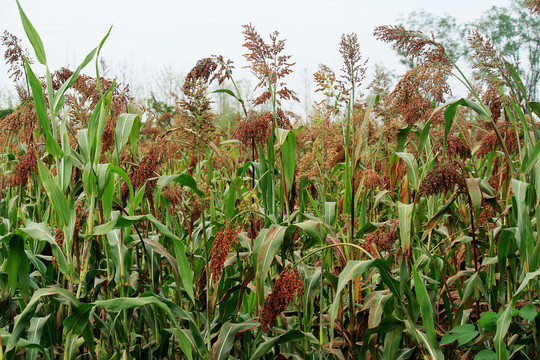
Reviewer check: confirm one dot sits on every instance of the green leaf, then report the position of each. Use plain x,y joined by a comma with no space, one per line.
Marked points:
437,217
17,266
426,309
226,91
316,230
23,319
330,211
502,328
525,282
528,312
450,112
488,321
79,319
56,196
405,222
412,168
41,232
98,78
33,36
374,303
182,179
526,167
424,137
120,172
288,153
84,147
38,264
464,333
473,186
223,345
266,247
402,138
65,168
126,125
392,342
96,124
185,343
180,265
519,188
125,303
486,354
37,324
41,109
186,275
517,79
289,336
352,270
107,198
126,221
311,284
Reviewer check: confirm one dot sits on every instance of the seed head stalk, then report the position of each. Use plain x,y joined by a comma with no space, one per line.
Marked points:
208,282
463,79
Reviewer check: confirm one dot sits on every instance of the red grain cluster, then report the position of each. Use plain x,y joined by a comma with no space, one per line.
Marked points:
146,169
491,141
426,82
15,55
287,287
59,237
268,65
383,238
443,178
25,167
457,147
225,239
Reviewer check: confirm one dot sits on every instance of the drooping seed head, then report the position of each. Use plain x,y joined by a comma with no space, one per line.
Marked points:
288,286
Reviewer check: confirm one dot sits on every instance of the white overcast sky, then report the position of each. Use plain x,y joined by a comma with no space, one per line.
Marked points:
148,35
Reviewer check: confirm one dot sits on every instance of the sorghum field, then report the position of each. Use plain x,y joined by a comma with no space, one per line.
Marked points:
394,225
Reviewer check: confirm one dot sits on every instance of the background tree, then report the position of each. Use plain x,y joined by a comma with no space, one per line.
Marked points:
512,29
446,30
515,33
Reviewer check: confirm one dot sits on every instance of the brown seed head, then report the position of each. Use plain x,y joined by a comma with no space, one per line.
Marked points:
417,109
493,98
491,141
59,237
287,287
80,212
354,68
268,64
146,169
225,239
20,123
426,80
15,55
443,178
456,146
328,85
370,179
25,167
383,238
255,130
488,61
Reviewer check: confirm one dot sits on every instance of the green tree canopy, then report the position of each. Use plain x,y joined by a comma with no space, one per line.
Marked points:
513,30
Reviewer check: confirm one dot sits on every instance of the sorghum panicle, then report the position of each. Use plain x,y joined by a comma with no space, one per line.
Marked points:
287,287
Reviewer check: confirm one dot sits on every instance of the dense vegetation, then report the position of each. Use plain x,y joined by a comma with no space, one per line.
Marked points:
397,225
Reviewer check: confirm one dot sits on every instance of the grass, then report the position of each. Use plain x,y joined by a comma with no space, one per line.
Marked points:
395,226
